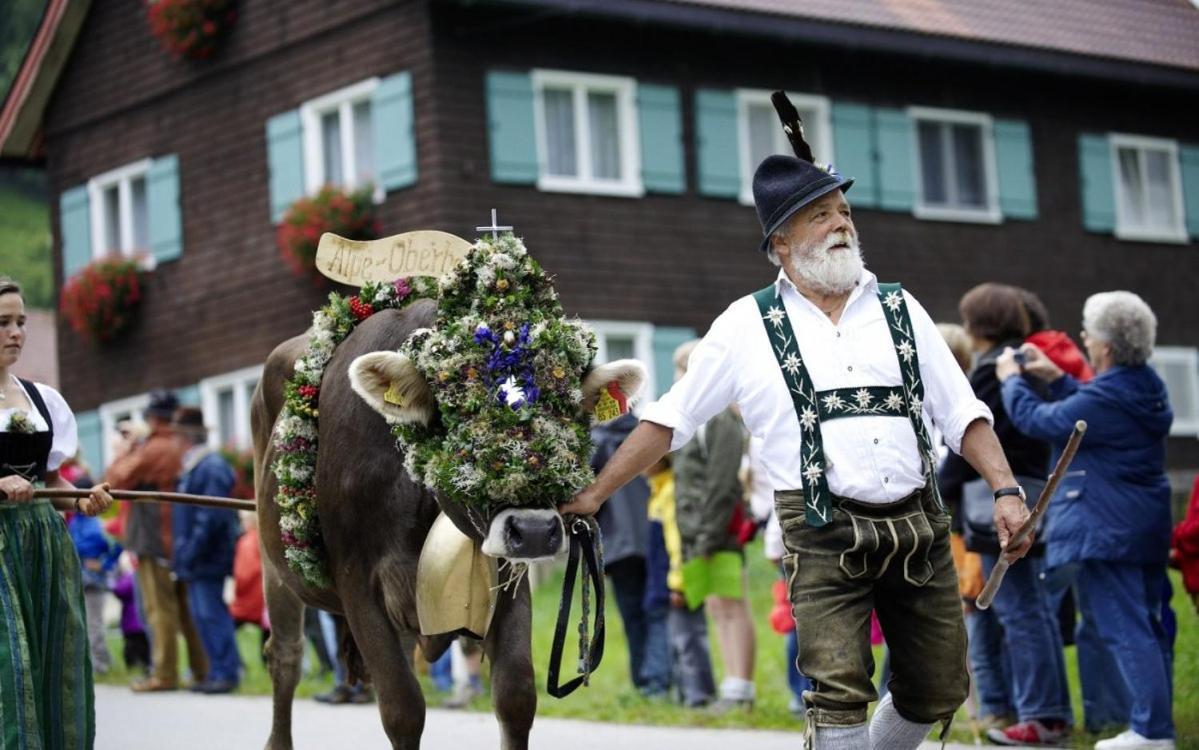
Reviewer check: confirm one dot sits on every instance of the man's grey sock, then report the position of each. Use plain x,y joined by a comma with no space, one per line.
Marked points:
856,737
890,731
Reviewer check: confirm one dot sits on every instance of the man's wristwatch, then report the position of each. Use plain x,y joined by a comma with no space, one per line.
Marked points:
1018,491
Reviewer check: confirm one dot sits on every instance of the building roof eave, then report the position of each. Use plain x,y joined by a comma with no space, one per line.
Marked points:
45,58
896,41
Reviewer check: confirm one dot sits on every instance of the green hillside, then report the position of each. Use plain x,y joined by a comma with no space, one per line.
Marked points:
25,239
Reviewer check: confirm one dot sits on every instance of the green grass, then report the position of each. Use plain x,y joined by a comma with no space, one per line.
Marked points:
25,245
611,697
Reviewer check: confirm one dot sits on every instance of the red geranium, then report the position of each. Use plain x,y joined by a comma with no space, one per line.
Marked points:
100,301
190,28
350,215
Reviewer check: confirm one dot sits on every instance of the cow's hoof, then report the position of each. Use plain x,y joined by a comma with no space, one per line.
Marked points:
274,744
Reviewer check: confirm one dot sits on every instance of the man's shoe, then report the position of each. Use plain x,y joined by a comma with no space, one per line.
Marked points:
728,705
362,694
218,687
152,685
197,687
1036,732
338,695
1130,740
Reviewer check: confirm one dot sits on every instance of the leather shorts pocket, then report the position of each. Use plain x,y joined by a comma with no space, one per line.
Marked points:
856,561
917,548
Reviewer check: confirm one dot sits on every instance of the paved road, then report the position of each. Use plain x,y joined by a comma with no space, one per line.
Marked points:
181,721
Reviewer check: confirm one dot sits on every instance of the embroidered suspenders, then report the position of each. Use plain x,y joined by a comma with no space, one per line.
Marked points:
812,408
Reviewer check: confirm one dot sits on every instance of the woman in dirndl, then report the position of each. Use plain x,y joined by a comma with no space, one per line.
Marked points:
46,691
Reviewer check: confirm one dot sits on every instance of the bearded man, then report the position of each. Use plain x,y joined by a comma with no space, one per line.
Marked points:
843,379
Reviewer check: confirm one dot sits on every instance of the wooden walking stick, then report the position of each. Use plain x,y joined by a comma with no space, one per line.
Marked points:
64,499
1063,463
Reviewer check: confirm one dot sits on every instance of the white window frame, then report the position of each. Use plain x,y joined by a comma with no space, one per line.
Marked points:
989,214
625,89
109,416
210,389
122,177
1185,425
1178,233
643,347
822,147
342,101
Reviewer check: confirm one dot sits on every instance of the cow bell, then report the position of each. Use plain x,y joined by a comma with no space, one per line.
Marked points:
455,583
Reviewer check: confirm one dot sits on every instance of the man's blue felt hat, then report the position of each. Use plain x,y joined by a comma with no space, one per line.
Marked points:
785,184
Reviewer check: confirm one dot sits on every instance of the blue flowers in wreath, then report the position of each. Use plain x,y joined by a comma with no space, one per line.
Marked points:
508,368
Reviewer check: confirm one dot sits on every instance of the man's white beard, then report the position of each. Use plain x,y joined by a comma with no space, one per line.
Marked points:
825,271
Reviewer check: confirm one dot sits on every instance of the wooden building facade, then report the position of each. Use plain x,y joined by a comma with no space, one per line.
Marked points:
619,139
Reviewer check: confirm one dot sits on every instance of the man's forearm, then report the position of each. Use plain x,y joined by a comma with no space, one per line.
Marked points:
643,448
981,448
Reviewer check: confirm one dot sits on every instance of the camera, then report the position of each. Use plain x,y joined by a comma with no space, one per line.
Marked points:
1021,358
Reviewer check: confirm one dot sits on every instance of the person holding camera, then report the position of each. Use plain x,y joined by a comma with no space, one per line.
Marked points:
1016,649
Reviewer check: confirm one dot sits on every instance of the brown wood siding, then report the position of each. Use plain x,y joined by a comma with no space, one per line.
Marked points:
680,260
229,300
671,260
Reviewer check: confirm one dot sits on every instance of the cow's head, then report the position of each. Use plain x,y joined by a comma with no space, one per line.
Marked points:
494,404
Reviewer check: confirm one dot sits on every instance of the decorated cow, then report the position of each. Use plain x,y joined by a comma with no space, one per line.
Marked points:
468,398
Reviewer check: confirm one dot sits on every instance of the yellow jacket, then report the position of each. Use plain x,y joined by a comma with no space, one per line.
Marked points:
661,509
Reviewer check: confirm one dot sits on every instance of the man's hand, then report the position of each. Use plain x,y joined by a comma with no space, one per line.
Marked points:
16,489
1010,515
585,503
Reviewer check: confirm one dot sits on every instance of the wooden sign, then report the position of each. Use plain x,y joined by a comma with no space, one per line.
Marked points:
424,253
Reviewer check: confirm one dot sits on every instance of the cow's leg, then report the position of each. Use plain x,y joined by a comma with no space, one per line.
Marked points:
512,683
401,703
285,649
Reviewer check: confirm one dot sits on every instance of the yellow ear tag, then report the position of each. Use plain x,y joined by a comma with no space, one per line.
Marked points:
392,396
611,403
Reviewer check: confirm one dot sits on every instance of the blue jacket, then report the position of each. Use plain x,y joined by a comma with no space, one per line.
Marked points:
204,538
92,544
1114,504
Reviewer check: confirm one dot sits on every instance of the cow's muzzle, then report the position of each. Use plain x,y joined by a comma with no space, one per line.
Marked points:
525,534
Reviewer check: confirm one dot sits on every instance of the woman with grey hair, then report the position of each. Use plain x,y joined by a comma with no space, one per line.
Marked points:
1110,518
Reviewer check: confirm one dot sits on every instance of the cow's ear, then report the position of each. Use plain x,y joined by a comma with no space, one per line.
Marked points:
608,389
392,385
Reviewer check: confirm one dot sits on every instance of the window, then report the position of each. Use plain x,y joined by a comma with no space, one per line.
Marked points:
1179,367
617,339
111,414
1147,187
955,166
760,134
586,133
120,218
339,139
226,403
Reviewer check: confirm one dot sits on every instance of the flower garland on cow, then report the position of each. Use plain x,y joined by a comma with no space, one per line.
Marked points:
506,368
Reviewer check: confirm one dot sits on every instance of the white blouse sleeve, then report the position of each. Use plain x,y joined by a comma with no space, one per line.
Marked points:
66,434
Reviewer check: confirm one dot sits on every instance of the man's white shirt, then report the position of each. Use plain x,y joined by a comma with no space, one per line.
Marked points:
869,458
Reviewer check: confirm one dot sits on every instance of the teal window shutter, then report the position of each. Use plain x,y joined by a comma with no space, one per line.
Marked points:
1017,169
666,340
1095,175
510,128
75,228
896,177
91,440
189,395
717,147
395,131
853,138
166,214
285,160
1188,161
661,128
